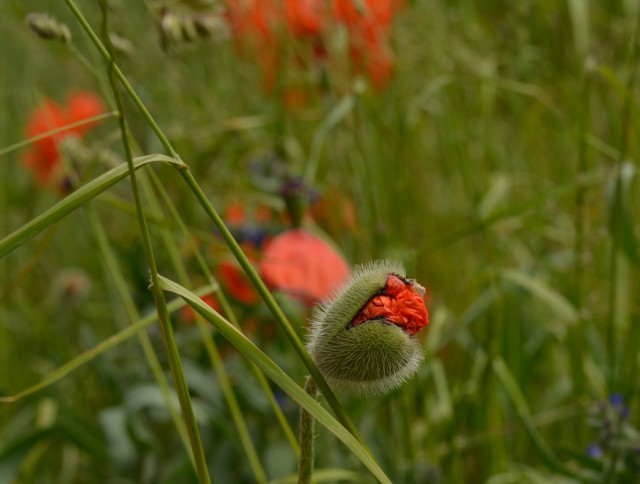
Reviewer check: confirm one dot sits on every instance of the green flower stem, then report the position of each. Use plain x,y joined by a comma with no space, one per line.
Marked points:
233,245
307,428
158,296
114,271
226,308
214,355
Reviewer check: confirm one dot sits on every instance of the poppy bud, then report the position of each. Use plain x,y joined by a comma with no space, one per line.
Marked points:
363,338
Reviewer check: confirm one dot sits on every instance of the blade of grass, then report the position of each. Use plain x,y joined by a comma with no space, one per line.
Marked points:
277,375
212,351
53,132
227,311
244,262
556,301
170,345
79,197
115,273
99,349
519,402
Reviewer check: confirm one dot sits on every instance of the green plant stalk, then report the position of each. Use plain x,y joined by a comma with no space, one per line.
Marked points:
158,296
627,106
307,429
226,308
114,271
233,245
92,353
577,332
214,355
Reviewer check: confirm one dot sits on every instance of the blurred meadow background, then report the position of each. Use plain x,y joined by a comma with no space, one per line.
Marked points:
490,146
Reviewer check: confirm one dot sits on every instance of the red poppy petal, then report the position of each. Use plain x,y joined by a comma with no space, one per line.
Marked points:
303,265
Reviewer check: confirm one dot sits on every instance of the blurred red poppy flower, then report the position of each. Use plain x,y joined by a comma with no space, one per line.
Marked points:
306,18
188,314
236,283
44,158
368,27
302,265
260,25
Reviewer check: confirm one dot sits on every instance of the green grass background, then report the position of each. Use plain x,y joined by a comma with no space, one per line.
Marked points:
498,165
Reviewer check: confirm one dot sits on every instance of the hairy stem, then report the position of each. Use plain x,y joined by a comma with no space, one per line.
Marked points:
307,427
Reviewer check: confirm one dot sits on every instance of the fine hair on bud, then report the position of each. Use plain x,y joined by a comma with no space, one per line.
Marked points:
362,338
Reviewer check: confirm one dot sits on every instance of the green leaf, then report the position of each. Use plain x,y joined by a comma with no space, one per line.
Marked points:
68,204
277,375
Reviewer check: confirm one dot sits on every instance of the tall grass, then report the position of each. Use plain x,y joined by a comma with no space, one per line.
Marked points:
498,165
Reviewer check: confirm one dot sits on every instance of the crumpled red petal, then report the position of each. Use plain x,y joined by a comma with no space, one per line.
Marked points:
399,305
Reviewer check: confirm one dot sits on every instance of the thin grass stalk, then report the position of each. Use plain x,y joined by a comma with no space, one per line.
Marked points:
76,199
160,302
577,332
121,77
226,308
627,104
29,264
53,132
214,355
118,280
519,402
91,354
234,407
233,245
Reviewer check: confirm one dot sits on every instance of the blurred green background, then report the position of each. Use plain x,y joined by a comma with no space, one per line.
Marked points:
498,163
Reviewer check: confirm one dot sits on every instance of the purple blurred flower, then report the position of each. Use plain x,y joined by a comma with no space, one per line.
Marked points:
594,451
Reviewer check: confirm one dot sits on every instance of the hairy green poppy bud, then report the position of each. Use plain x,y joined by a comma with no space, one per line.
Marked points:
363,338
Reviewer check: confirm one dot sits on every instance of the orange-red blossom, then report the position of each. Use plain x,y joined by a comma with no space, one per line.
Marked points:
399,304
260,23
44,157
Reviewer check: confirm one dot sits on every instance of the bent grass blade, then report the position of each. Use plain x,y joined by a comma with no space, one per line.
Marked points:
277,375
89,355
79,197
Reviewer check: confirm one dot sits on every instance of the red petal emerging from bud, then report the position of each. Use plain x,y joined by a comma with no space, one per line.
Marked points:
399,304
